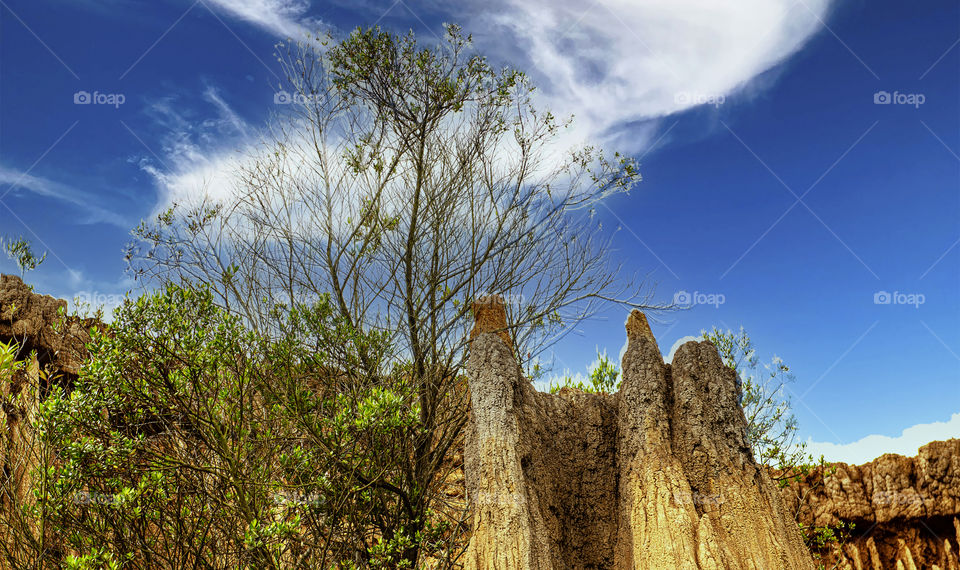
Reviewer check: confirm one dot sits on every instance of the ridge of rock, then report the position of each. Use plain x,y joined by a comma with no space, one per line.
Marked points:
906,509
658,475
35,322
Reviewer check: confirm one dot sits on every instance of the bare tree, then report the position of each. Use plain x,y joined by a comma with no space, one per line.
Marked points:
407,182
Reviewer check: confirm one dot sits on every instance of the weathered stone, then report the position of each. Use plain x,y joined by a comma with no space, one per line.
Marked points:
53,346
36,324
905,509
658,475
490,316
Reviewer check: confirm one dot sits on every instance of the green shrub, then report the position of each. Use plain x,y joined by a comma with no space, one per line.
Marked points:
190,441
605,377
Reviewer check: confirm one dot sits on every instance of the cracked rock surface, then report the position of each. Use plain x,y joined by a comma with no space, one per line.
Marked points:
657,475
906,509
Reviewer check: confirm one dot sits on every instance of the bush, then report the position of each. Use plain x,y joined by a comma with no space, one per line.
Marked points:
190,441
604,377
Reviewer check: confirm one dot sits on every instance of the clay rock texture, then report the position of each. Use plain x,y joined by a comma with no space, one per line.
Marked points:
32,321
658,475
54,347
490,316
906,509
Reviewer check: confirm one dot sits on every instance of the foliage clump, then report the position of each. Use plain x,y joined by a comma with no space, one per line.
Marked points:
603,377
189,440
21,252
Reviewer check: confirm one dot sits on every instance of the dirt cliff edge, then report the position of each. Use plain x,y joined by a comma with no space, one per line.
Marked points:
906,509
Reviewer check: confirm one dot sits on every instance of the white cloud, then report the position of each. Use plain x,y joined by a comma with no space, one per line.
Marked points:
284,18
212,176
873,446
87,203
617,65
226,113
199,157
616,61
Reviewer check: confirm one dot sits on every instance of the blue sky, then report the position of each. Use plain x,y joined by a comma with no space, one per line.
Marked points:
799,159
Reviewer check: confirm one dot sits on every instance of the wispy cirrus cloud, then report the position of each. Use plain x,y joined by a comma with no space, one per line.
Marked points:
199,147
613,62
610,63
284,18
12,179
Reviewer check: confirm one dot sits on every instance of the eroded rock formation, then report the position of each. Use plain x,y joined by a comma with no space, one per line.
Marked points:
906,509
658,475
35,322
53,346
